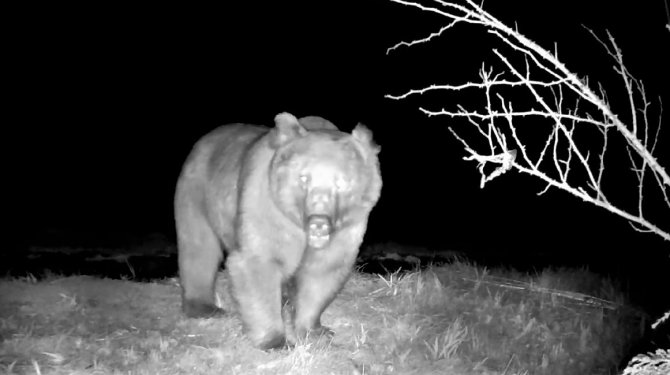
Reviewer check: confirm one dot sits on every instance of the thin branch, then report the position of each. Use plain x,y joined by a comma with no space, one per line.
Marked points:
550,94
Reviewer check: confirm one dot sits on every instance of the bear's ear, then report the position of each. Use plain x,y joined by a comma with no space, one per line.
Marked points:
287,128
363,135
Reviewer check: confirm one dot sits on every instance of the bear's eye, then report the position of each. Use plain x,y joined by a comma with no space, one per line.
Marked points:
342,184
304,181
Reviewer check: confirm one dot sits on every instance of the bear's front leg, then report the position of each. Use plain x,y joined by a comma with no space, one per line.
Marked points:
256,287
317,282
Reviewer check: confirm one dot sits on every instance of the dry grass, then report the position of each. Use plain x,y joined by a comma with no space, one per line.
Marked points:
454,319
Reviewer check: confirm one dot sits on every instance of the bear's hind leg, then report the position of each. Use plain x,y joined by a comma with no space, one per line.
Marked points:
256,287
199,259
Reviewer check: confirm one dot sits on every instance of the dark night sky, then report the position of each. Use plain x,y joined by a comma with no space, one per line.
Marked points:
108,101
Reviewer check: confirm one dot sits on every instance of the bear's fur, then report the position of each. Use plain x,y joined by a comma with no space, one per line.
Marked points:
289,205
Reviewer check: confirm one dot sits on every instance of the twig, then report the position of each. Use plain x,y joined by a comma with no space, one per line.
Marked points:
562,162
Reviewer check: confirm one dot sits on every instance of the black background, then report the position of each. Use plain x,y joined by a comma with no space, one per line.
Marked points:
105,103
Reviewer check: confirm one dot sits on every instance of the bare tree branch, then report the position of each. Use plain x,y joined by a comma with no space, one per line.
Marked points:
565,160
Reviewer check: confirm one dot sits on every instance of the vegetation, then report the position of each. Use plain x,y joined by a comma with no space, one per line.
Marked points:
457,319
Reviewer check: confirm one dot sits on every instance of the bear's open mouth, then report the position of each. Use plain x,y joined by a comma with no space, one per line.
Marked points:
318,231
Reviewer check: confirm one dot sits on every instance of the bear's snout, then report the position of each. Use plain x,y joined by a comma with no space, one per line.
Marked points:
320,202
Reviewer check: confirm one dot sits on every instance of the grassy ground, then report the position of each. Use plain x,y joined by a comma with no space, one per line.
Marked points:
452,319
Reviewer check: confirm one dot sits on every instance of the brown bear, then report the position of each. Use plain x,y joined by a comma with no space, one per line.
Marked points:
289,205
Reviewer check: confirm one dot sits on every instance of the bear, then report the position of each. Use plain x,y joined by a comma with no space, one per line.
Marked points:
287,207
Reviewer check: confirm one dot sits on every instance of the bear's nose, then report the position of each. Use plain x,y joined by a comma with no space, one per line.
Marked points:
321,199
319,202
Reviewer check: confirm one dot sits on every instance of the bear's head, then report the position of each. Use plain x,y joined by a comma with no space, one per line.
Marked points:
323,179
